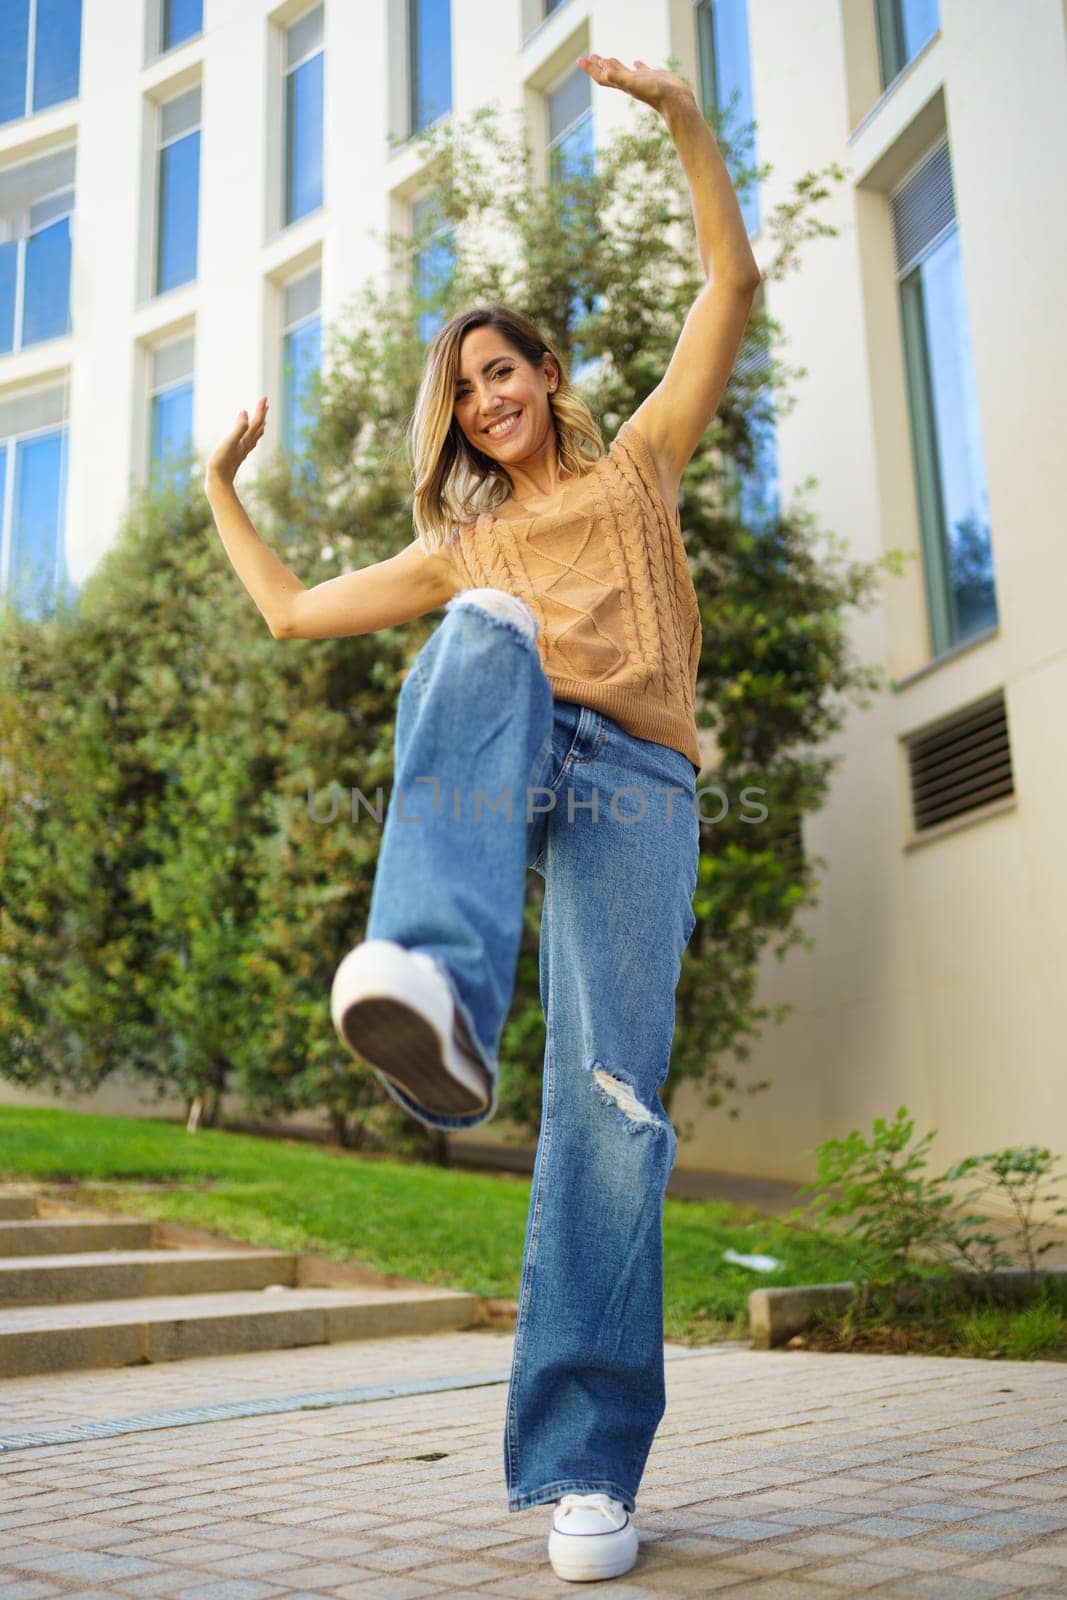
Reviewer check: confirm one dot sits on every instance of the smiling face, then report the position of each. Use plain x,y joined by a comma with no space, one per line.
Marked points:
501,401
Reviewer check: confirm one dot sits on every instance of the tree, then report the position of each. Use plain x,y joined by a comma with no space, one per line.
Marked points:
173,904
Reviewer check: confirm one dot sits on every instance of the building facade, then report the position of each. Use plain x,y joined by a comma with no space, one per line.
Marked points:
189,193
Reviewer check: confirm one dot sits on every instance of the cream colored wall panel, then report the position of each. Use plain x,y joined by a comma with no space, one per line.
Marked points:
104,276
1009,177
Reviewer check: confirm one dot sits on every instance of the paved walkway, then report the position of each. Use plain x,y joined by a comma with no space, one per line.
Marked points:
781,1476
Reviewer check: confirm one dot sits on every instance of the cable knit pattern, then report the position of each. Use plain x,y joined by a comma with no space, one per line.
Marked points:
608,579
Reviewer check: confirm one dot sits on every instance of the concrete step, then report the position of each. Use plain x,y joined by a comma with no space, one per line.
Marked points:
15,1205
61,1338
50,1236
123,1274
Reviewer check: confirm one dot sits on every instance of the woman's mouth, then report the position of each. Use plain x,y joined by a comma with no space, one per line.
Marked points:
506,425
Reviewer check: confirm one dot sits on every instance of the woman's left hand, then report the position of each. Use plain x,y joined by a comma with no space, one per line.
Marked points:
655,86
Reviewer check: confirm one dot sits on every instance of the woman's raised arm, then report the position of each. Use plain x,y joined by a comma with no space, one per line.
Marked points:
678,411
382,595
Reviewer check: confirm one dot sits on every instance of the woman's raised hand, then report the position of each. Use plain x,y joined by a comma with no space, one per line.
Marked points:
654,85
238,443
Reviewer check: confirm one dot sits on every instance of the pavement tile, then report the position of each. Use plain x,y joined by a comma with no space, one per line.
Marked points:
762,1560
1032,1522
749,1528
402,1557
463,1572
887,1527
1044,1594
323,1575
976,1539
770,1589
389,1589
945,1510
856,1577
827,1544
1035,1488
915,1478
171,1585
952,1587
914,1557
233,1589
1023,1577
1054,1551
181,1550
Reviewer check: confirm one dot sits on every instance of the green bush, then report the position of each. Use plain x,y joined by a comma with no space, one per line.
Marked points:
903,1223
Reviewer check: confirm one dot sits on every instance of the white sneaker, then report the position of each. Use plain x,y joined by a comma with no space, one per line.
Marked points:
394,1008
592,1537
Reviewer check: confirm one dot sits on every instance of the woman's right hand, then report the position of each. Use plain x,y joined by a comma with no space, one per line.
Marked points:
238,443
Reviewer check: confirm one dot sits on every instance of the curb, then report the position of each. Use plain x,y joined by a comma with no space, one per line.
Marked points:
775,1315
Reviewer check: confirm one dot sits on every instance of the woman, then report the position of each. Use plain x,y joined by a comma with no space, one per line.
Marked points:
568,651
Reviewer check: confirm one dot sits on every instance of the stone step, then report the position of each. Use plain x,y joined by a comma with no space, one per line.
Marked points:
36,1339
123,1274
51,1236
16,1206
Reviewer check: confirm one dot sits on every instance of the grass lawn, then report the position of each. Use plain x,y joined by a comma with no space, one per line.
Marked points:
461,1229
464,1230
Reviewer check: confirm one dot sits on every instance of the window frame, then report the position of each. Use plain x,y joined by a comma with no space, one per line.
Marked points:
285,330
923,425
30,77
155,48
444,231
155,290
288,172
22,242
707,53
154,390
553,145
891,44
10,442
413,126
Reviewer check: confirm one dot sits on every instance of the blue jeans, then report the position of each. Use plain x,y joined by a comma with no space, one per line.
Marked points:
610,822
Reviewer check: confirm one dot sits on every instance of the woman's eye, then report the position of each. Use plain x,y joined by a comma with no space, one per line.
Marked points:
501,372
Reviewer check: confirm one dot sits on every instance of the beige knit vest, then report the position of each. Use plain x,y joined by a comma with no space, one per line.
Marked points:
607,577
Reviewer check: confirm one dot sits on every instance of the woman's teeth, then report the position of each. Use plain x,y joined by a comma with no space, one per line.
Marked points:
498,429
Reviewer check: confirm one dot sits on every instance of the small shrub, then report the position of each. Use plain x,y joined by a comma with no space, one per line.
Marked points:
900,1216
903,1221
1019,1173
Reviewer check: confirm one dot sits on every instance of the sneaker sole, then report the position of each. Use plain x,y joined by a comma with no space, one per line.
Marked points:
403,1044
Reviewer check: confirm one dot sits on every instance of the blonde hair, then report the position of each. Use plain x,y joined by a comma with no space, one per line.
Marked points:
453,480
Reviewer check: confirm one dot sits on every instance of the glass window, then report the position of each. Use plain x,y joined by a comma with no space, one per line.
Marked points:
179,191
36,204
726,84
570,127
181,20
171,411
571,155
754,489
904,26
40,55
943,407
433,264
304,77
57,52
33,493
429,61
301,357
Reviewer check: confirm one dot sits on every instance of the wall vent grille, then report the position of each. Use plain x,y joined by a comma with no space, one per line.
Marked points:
961,765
